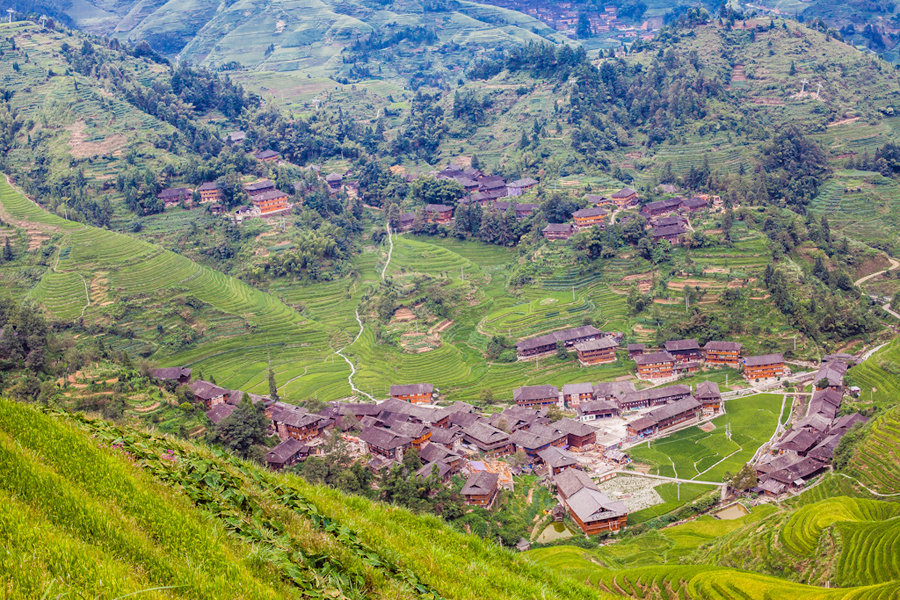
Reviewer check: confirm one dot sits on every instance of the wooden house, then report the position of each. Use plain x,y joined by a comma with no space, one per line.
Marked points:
596,352
209,393
656,365
270,202
596,200
210,192
173,196
557,460
531,396
660,207
537,438
653,397
598,409
383,442
438,213
259,187
431,453
723,353
665,417
267,155
612,390
287,453
334,181
543,344
576,393
419,433
670,233
684,350
625,197
709,397
588,217
235,138
589,507
407,220
578,434
296,422
220,412
489,440
415,393
558,231
179,375
694,204
481,489
450,437
833,373
518,187
635,350
763,367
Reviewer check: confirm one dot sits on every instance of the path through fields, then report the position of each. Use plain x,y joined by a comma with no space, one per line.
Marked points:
862,280
349,362
390,251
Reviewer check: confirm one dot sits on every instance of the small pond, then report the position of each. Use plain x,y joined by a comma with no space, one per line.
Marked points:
553,532
735,511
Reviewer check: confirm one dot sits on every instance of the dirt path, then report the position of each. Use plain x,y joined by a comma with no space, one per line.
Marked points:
390,251
862,280
349,362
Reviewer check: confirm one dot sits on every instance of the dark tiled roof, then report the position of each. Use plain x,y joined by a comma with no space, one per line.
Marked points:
694,202
175,193
590,212
382,438
206,390
656,393
259,185
680,345
266,154
220,412
535,392
635,347
521,183
558,228
269,195
438,208
764,359
597,406
624,193
171,373
412,388
285,451
556,458
577,388
484,434
565,335
440,435
571,481
669,230
334,177
708,390
653,358
723,346
481,483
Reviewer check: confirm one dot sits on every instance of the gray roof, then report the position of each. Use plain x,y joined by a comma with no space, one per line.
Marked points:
437,208
333,177
818,422
266,154
295,416
206,390
694,202
577,388
848,421
481,483
536,436
653,358
570,426
558,228
446,436
259,185
526,182
799,440
674,409
564,335
678,345
668,230
485,434
633,347
172,373
597,406
624,193
431,452
605,389
601,344
535,392
268,195
723,346
175,192
656,393
220,412
209,185
555,458
591,212
708,390
833,372
668,204
763,359
593,505
413,430
425,471
572,480
382,438
285,451
413,388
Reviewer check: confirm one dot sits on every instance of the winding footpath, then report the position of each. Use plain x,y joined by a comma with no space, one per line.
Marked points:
862,280
349,362
390,251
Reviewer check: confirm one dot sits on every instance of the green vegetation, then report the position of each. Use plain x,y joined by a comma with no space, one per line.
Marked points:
695,454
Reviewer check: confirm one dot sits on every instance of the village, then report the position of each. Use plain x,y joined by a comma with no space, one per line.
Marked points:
574,437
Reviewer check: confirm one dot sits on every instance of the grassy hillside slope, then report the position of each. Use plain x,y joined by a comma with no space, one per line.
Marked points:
120,511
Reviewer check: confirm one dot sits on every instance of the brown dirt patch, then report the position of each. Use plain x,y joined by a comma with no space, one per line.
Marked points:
768,101
404,314
707,427
147,409
80,148
844,122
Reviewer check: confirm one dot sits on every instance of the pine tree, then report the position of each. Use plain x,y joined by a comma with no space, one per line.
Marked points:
273,389
7,251
793,69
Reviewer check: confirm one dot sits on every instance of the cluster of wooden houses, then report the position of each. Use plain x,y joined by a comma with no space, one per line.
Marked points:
806,449
592,345
482,189
686,356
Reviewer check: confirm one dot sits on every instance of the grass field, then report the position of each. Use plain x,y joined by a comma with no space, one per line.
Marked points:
694,454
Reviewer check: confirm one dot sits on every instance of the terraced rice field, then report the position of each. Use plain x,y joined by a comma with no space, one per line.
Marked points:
694,454
875,462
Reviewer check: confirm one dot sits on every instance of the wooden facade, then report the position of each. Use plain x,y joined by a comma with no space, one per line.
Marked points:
657,365
481,489
438,213
588,217
763,367
270,202
210,192
723,353
417,393
596,352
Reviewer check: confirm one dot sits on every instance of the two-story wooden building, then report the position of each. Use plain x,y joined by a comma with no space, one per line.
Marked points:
557,460
709,397
576,393
438,213
489,440
656,365
596,352
543,344
765,366
588,217
723,353
481,489
286,454
210,192
665,417
558,231
684,350
414,393
267,155
625,197
660,207
670,233
209,393
259,187
383,442
589,507
598,409
297,422
536,396
270,202
173,196
653,396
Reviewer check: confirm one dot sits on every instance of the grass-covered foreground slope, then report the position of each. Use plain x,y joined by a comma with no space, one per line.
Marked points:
94,511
